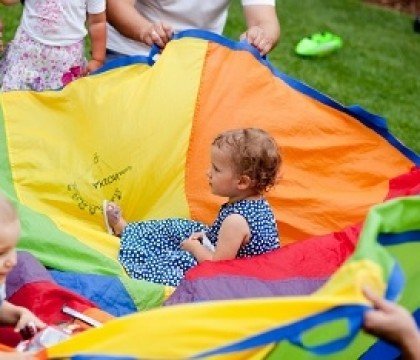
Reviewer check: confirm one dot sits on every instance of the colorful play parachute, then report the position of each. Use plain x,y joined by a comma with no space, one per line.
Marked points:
139,133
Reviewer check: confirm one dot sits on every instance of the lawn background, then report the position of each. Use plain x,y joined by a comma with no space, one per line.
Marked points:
378,67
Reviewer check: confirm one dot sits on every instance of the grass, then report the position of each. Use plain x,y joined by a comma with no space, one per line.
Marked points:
378,67
10,16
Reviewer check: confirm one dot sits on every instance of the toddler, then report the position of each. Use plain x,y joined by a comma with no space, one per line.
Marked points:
244,165
9,235
48,49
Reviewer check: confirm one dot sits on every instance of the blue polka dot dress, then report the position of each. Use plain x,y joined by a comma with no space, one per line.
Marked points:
150,250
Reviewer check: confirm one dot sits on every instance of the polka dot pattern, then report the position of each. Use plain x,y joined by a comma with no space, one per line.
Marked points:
261,222
150,250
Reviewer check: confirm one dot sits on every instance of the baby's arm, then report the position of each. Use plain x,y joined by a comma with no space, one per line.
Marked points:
97,33
232,235
18,316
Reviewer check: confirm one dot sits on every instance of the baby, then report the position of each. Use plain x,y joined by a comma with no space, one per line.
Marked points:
11,314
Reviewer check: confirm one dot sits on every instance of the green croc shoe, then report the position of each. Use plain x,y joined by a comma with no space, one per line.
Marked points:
319,44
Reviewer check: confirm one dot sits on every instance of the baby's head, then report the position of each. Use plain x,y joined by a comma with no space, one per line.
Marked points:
253,153
9,236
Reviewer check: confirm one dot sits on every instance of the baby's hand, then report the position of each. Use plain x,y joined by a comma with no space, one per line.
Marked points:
27,318
191,243
256,36
156,33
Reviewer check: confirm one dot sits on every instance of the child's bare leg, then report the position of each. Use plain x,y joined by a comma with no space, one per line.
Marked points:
115,219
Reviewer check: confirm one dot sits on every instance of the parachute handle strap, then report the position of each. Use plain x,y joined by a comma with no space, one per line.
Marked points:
354,323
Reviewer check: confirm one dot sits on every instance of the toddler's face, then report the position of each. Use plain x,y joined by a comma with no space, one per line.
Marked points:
222,178
9,235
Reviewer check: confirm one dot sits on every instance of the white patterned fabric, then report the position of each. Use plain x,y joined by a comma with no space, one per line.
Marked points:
28,64
58,22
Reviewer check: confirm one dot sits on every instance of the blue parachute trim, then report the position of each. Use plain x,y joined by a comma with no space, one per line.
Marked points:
399,238
294,332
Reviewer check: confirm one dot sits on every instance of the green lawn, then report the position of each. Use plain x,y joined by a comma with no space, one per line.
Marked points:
378,67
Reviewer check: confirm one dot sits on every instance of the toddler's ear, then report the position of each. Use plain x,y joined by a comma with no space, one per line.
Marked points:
244,182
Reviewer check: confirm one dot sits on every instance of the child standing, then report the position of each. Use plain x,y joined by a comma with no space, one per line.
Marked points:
244,164
9,235
48,49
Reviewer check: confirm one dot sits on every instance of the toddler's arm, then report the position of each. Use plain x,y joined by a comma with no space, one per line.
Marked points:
97,33
18,316
393,323
233,233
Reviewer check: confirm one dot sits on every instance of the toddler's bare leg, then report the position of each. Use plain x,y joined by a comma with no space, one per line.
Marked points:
114,218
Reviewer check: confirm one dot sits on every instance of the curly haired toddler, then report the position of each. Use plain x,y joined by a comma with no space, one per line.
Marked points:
244,165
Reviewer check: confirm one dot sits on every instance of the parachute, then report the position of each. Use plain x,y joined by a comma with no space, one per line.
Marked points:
139,133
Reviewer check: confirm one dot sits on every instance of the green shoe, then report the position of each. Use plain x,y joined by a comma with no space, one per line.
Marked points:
319,44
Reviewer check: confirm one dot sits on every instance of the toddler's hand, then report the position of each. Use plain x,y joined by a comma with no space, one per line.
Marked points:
190,243
92,66
156,33
27,318
390,321
256,36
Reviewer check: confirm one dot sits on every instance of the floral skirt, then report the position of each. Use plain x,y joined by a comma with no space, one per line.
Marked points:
30,65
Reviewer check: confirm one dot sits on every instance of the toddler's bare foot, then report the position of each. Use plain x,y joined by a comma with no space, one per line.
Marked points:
113,219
